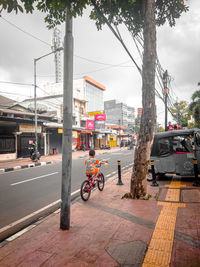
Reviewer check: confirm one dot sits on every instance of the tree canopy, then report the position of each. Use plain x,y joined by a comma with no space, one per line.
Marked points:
180,113
129,12
195,107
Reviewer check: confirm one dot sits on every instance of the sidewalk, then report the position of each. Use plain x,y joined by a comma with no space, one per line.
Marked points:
110,231
27,162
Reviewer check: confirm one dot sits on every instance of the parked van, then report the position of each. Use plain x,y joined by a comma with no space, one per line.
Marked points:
173,152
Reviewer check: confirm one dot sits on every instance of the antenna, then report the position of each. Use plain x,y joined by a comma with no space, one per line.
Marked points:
56,43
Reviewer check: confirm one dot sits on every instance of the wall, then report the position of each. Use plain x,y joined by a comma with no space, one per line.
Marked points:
94,98
4,157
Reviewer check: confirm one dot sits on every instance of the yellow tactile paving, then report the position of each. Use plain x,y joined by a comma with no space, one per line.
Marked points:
160,247
169,204
175,184
172,195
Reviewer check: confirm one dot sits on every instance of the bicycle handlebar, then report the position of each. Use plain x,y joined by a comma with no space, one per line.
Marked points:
102,162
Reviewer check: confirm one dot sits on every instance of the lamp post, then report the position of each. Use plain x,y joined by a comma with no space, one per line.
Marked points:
35,95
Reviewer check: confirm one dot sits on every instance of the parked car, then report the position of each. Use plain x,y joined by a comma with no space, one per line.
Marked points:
173,152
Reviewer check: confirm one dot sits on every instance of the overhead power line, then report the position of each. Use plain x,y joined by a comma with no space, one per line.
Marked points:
116,34
16,83
31,35
35,37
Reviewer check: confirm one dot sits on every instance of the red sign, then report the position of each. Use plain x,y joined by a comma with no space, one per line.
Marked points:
90,124
100,117
139,110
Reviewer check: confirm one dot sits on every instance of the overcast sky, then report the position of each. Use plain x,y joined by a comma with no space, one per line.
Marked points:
178,52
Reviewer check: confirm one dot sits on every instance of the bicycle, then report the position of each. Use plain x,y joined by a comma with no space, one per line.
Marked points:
92,182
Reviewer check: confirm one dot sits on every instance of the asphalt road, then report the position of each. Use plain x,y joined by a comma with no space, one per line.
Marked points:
25,191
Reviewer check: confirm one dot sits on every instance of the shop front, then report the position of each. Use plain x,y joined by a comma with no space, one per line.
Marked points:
100,140
8,140
112,140
84,140
25,136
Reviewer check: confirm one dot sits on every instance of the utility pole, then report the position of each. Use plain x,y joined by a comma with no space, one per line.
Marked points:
67,126
35,105
35,94
165,92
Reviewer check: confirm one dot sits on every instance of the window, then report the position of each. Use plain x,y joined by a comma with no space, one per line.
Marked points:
81,110
197,138
7,144
164,147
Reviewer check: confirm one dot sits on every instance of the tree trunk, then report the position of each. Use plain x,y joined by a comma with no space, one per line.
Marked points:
146,134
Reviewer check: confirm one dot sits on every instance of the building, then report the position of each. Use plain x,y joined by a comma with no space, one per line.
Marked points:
17,129
119,113
84,89
87,96
6,102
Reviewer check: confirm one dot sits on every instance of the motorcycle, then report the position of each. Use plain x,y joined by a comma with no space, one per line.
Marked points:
33,155
105,147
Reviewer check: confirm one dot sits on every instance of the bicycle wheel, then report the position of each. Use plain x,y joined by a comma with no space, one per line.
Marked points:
100,181
85,190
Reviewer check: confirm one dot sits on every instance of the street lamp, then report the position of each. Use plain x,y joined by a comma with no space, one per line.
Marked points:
35,97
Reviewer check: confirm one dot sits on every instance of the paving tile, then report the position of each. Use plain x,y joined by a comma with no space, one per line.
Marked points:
186,255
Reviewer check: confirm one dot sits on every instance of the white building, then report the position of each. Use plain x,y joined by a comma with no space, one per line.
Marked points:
83,89
87,97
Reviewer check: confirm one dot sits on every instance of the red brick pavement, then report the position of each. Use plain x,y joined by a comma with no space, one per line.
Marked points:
103,225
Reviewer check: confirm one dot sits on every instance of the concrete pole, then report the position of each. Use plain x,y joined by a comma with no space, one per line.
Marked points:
35,102
165,78
67,126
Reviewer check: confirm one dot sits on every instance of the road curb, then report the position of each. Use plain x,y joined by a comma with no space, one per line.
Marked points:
43,163
32,218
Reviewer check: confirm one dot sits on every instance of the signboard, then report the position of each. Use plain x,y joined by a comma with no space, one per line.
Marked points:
90,124
60,130
99,125
100,117
92,114
74,143
139,110
74,134
27,128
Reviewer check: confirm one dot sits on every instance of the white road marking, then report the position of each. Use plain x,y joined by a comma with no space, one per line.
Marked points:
107,159
39,177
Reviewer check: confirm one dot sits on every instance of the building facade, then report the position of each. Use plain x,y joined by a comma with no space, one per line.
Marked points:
119,113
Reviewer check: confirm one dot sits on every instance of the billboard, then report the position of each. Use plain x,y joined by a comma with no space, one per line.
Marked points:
100,117
92,114
139,110
90,124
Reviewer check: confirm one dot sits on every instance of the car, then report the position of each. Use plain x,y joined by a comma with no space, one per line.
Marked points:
173,152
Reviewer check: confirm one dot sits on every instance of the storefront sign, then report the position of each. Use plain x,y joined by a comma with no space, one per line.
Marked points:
139,110
74,134
99,125
90,124
99,136
92,114
60,130
100,117
26,128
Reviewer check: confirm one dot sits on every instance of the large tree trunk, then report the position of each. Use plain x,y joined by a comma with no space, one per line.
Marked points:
143,148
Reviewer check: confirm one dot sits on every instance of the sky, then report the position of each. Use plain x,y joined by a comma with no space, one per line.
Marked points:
99,55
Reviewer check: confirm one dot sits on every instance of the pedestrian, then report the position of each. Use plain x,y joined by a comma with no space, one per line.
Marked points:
170,127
